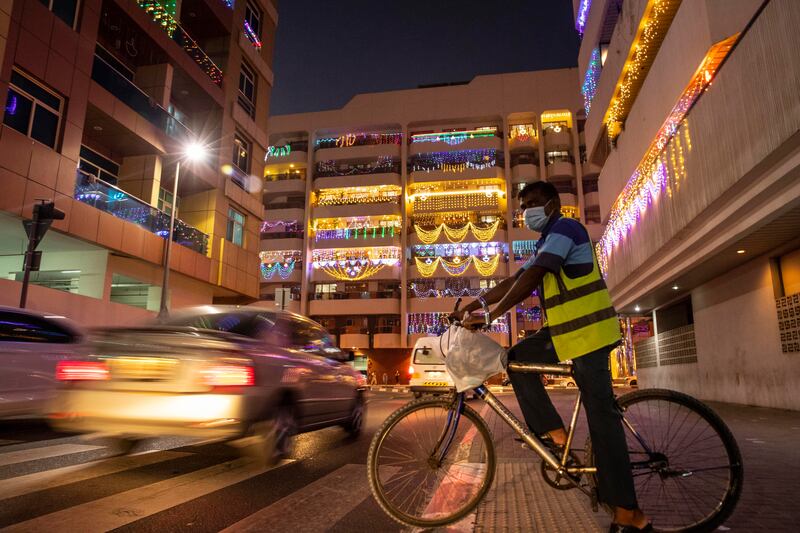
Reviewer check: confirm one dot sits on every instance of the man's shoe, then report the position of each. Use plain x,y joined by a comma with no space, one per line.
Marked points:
555,449
618,528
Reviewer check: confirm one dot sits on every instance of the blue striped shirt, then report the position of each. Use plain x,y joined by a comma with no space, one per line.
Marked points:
564,244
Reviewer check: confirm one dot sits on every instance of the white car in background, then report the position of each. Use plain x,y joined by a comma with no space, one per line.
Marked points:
31,345
427,372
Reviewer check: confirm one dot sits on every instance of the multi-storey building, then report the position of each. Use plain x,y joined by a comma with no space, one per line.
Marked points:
379,215
102,96
692,112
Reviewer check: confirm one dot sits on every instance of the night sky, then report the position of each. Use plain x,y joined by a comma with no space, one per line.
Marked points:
327,51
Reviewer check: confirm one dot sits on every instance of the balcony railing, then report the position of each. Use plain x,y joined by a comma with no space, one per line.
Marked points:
286,205
327,169
289,175
120,86
364,295
282,235
120,204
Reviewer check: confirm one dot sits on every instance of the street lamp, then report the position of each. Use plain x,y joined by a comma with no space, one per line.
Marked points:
192,152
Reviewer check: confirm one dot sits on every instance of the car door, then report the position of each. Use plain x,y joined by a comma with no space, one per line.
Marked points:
30,348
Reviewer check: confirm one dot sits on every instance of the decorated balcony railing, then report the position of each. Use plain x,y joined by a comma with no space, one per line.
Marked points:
164,16
455,161
120,86
327,169
436,323
357,228
347,140
454,137
358,195
360,295
120,204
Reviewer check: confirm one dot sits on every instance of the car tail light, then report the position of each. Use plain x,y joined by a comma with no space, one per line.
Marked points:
228,376
82,371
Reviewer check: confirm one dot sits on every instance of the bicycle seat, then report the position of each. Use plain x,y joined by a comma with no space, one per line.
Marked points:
560,369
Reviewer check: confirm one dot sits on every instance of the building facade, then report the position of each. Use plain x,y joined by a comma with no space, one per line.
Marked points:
379,215
692,113
102,98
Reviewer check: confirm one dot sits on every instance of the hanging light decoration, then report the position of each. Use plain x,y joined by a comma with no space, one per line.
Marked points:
522,133
355,263
590,79
457,234
454,137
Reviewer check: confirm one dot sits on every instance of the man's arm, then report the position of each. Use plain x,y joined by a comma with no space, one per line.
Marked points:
491,296
524,285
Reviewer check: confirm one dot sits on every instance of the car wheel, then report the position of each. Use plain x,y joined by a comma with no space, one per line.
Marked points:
356,421
269,441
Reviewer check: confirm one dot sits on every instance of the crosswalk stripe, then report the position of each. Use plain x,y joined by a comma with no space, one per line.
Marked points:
17,486
327,499
120,509
35,454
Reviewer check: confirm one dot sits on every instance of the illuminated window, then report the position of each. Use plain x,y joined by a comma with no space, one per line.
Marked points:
247,89
33,110
241,156
325,288
235,230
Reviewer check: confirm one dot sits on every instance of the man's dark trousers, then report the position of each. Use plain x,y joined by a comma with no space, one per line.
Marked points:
593,378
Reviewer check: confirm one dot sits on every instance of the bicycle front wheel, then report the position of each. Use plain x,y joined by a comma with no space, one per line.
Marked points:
686,465
413,481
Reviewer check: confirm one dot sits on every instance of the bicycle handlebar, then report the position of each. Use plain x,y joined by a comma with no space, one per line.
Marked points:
456,322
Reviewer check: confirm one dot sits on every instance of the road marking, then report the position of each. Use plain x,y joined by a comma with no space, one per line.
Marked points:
35,454
327,499
120,509
6,442
17,486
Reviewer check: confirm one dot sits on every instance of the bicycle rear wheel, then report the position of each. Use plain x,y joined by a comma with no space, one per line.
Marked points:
407,478
686,465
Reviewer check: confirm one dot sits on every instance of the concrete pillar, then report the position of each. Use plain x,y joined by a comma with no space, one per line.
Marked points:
140,176
156,81
406,225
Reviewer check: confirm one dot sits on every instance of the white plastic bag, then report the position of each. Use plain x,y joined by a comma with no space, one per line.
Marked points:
471,357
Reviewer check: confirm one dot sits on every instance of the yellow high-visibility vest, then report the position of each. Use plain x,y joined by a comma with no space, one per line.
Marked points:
580,314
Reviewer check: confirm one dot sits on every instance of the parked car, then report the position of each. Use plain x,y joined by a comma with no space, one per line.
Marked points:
427,372
248,375
31,345
627,381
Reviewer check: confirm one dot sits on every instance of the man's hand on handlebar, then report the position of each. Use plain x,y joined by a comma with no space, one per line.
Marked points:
474,322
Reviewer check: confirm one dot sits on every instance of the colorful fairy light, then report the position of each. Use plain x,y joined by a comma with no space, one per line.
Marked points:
251,35
347,140
522,250
456,234
461,249
456,161
656,21
522,133
663,166
583,13
281,262
454,137
457,266
331,167
590,79
436,323
289,225
354,264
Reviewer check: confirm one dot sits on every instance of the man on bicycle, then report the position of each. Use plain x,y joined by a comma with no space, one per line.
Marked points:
582,326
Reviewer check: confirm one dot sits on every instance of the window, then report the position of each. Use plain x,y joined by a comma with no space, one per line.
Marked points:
235,232
241,153
20,327
33,110
252,16
487,283
247,90
98,166
166,201
63,9
325,288
130,291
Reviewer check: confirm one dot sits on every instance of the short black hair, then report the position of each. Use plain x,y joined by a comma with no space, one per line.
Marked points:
547,190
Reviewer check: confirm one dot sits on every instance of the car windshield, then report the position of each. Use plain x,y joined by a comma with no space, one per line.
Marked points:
248,324
426,356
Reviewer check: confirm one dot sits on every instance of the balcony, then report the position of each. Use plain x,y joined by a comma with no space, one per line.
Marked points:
523,137
288,243
293,183
128,93
294,157
336,242
477,143
344,211
363,180
557,140
326,169
386,337
420,176
353,341
524,173
120,204
568,199
560,168
501,235
591,199
355,152
355,304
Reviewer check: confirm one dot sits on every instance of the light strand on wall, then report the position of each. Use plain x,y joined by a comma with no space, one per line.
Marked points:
590,79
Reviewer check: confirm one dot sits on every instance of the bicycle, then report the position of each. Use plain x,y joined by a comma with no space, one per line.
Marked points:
433,460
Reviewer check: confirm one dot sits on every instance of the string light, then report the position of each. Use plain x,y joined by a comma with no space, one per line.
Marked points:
358,195
457,234
454,137
436,323
657,19
278,151
289,225
522,250
251,35
285,270
590,79
522,133
583,13
354,264
333,168
347,140
657,171
455,161
279,261
485,265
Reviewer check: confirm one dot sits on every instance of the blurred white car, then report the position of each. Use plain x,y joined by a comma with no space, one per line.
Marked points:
31,345
427,372
245,374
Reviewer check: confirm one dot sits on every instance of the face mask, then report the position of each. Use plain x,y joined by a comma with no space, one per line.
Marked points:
535,217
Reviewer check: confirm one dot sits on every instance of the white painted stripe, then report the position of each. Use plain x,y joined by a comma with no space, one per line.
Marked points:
327,500
120,509
17,486
35,454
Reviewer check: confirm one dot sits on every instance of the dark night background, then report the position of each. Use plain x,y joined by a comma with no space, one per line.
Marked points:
327,51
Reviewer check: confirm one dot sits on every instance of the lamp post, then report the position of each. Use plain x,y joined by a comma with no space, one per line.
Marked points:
192,152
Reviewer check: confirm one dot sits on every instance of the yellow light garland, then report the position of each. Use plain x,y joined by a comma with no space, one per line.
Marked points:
484,268
340,273
456,235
